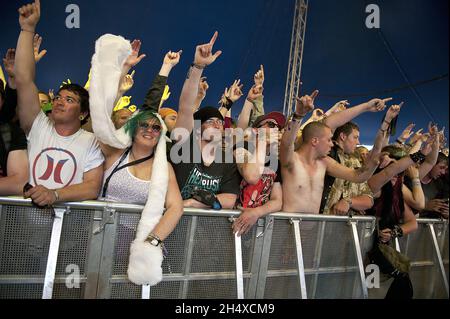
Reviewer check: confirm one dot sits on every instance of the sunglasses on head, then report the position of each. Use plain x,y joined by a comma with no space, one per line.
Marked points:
155,128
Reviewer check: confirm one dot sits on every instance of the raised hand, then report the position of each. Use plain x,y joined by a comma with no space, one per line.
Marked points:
377,105
393,111
255,92
51,94
259,76
37,40
305,104
442,139
432,129
340,106
134,58
427,146
407,132
235,91
203,86
29,16
127,82
417,136
172,58
203,53
317,114
8,62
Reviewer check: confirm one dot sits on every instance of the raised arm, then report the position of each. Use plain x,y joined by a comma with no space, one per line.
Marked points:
28,106
244,117
231,96
338,107
155,93
203,86
251,166
338,119
258,103
356,176
430,161
415,197
377,181
382,137
202,58
304,105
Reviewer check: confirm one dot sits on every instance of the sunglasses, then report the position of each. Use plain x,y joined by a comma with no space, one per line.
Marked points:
214,121
155,128
270,125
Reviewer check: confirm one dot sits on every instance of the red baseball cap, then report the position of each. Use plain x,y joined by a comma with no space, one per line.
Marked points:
278,117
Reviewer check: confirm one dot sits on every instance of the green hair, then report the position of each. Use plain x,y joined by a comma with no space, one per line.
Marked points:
133,123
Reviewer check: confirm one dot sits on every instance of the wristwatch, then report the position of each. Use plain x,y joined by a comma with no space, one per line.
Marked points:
154,240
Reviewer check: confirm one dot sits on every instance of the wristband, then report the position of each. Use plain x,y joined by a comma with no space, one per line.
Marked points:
398,141
228,104
417,157
397,232
27,31
297,117
198,66
56,195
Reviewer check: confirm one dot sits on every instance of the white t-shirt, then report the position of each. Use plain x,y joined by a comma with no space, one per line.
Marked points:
58,161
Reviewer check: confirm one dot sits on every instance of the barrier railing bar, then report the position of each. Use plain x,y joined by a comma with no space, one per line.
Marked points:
190,248
238,259
117,279
362,272
265,256
439,257
145,293
256,256
53,253
94,257
300,264
318,255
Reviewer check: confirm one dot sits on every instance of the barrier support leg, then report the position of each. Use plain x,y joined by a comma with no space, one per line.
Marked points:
362,273
301,265
438,256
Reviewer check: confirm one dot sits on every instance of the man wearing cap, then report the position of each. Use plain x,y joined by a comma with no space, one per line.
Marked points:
260,189
204,179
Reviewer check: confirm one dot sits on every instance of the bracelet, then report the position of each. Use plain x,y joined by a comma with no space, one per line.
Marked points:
398,141
417,157
251,101
296,116
416,182
154,240
27,31
397,232
56,195
228,104
198,66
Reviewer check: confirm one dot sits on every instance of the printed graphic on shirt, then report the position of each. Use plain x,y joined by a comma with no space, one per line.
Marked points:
199,179
252,196
54,166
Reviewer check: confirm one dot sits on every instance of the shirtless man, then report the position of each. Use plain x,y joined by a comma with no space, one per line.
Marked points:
303,171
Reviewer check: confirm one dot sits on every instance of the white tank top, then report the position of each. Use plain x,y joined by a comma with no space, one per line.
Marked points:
124,187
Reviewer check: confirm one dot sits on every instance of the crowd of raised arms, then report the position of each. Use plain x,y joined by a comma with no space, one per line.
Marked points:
262,163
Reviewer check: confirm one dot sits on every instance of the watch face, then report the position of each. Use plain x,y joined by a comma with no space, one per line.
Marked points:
154,242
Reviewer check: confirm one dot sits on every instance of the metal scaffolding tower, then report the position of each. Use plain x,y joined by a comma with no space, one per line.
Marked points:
295,56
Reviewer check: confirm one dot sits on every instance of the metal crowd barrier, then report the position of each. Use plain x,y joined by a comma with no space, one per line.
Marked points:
81,250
